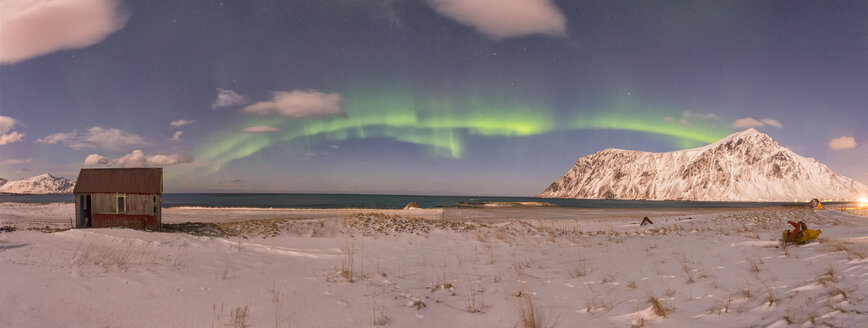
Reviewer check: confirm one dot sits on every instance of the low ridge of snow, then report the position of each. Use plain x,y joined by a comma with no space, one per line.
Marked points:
745,166
41,184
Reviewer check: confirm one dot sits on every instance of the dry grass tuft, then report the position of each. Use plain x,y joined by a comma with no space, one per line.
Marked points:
370,224
348,264
638,321
519,271
852,253
238,317
378,311
828,278
835,291
481,236
721,307
474,297
579,270
747,292
772,299
658,308
378,315
124,254
689,272
526,311
276,300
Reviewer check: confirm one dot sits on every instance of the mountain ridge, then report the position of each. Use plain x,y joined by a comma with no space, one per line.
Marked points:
40,184
745,166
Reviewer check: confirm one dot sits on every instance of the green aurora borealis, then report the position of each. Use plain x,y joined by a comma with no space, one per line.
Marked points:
441,125
416,99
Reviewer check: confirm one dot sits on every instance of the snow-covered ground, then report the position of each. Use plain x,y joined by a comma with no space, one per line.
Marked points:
435,268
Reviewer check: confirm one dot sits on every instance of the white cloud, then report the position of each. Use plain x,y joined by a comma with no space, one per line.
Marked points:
499,19
16,161
842,143
387,11
180,123
771,122
299,103
6,124
11,137
750,122
228,98
260,129
96,159
58,137
687,115
137,159
96,137
32,28
177,135
747,122
703,116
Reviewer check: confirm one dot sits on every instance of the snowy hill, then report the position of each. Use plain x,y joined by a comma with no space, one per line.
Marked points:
43,184
745,166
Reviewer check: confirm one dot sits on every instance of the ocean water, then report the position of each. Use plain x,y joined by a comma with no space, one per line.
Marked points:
380,201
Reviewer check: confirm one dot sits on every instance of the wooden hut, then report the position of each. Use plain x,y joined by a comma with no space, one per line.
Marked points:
127,197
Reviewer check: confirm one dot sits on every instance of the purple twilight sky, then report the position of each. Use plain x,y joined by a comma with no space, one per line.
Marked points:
483,97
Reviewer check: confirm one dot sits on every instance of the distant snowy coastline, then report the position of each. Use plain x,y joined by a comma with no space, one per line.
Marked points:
38,185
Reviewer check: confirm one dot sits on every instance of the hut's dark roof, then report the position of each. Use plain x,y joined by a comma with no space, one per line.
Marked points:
127,180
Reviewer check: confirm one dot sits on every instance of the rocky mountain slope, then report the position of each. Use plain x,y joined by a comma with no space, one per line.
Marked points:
745,166
42,184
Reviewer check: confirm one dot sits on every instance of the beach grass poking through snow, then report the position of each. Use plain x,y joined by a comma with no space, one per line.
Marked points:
600,268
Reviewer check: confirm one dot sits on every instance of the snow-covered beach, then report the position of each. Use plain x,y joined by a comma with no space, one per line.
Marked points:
555,267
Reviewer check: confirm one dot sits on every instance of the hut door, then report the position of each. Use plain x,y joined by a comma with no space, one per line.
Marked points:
86,218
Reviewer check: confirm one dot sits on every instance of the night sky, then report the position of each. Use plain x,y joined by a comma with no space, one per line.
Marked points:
469,97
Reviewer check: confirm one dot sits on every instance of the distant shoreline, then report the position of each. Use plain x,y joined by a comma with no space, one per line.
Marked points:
358,201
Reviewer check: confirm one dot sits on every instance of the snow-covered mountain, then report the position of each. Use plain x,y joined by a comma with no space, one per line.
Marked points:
745,166
42,184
